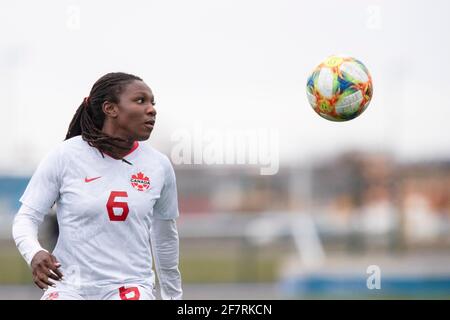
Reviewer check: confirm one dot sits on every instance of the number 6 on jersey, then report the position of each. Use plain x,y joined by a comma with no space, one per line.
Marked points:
111,204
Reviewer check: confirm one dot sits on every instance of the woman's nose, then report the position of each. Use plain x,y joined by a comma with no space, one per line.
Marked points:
151,110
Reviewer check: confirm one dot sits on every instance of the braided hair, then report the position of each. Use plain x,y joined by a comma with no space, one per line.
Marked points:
89,117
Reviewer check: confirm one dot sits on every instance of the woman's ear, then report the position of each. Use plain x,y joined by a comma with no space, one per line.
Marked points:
110,109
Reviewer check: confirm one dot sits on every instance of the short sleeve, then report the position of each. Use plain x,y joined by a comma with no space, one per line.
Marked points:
166,207
43,189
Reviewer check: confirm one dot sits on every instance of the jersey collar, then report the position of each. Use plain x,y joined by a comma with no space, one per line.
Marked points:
135,146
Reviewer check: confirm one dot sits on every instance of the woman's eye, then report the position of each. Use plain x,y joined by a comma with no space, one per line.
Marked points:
140,100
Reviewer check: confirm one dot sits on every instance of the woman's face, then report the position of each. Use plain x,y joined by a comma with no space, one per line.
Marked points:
135,112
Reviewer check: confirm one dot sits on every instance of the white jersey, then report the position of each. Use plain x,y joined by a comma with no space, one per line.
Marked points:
105,210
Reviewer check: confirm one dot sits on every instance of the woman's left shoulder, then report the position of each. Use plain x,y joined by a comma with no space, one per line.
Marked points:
157,155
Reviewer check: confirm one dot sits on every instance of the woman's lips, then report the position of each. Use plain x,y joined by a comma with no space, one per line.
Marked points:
149,124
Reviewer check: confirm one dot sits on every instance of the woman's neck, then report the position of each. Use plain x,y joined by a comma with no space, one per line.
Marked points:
124,146
119,153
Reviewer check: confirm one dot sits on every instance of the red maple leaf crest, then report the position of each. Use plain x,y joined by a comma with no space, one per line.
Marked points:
140,182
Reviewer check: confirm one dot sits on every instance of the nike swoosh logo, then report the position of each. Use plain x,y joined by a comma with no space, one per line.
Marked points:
91,179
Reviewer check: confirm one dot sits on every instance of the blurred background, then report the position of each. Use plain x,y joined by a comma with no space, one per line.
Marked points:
359,209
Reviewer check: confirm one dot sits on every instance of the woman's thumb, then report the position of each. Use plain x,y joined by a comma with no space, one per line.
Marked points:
55,261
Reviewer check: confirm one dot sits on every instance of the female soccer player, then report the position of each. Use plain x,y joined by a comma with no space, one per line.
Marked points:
116,203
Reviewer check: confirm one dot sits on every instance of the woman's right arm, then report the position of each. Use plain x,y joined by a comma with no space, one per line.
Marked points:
41,193
25,233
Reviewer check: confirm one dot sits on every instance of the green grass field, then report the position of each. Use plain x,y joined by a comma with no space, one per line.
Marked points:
196,265
13,269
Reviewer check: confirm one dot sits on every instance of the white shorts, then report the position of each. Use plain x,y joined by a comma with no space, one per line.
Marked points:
117,292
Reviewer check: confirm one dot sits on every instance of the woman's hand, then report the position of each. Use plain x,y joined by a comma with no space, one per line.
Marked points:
45,267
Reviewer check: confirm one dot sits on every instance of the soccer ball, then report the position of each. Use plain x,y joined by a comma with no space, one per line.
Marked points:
340,88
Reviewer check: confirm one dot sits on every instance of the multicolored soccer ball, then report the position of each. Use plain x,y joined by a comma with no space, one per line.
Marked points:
340,88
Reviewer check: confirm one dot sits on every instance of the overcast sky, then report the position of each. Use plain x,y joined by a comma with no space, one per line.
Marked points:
228,65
